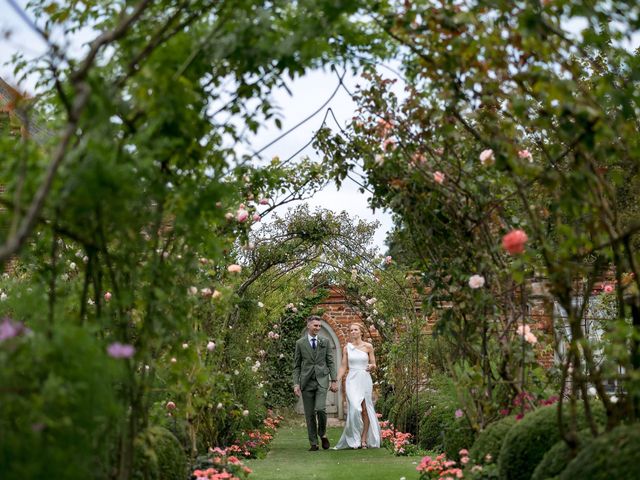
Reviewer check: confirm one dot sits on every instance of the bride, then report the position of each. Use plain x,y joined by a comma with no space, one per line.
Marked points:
361,429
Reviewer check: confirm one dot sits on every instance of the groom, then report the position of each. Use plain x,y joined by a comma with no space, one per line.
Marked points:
313,364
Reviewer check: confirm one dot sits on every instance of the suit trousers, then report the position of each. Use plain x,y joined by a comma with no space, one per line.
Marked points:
314,400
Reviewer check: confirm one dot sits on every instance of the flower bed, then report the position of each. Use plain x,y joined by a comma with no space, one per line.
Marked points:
396,441
225,462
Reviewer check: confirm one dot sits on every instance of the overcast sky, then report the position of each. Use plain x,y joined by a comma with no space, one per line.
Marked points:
308,93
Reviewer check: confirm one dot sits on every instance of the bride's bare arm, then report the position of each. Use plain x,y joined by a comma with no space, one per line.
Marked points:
372,358
343,364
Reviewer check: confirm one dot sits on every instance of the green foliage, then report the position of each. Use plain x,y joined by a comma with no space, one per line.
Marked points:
489,441
457,435
59,413
614,454
558,457
439,428
530,438
159,456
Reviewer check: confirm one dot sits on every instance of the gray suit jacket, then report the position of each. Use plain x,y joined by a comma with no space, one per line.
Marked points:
307,361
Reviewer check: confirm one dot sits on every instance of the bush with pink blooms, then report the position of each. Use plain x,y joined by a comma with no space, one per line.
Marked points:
399,443
439,467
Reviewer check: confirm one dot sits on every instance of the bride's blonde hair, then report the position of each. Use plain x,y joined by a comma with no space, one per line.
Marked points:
360,327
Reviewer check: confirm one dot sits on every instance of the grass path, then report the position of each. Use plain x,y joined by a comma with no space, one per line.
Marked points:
289,459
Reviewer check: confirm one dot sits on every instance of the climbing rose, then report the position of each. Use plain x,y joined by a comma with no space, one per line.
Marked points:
107,296
256,217
525,155
193,290
379,159
10,329
234,268
438,177
211,346
487,158
228,216
242,215
476,281
514,241
170,406
206,292
459,413
264,201
418,158
608,288
120,350
245,413
388,260
216,294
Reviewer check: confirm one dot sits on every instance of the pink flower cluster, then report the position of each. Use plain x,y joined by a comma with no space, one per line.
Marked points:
525,331
441,468
226,468
525,402
393,439
10,328
225,464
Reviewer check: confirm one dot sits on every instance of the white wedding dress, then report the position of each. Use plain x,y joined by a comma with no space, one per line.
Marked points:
359,387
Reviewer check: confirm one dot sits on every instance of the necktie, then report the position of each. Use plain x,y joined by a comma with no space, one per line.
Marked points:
313,343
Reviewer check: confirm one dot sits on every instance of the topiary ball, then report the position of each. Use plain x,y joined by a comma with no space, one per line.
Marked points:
433,425
457,435
615,454
530,438
159,456
558,457
489,442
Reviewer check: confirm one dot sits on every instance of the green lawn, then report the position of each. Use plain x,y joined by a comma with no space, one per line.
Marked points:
289,459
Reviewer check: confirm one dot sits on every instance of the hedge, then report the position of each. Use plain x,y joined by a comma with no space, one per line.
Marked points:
159,456
490,440
615,454
530,438
558,457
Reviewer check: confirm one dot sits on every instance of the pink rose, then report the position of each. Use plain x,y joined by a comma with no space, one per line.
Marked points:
525,155
486,157
514,241
120,350
107,296
242,215
235,268
264,201
256,217
438,177
476,281
459,413
170,406
608,288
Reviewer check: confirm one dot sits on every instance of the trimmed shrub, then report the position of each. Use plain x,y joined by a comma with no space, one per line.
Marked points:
159,456
615,454
490,440
558,457
530,438
457,435
432,427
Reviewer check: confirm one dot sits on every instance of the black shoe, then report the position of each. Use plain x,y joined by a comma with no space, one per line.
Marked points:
325,442
314,448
